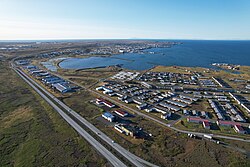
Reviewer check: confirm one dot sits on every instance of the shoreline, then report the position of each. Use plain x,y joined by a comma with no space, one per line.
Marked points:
215,68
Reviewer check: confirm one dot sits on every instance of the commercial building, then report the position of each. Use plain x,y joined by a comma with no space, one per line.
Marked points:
62,87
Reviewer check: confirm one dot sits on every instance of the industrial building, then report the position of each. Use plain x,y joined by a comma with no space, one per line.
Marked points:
62,87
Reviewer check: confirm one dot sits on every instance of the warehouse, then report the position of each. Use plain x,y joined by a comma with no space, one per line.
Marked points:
62,87
108,116
55,81
49,79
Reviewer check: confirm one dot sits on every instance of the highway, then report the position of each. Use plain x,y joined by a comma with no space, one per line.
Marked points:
137,161
98,146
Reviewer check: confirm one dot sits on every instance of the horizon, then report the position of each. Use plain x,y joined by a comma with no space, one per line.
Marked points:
116,19
124,39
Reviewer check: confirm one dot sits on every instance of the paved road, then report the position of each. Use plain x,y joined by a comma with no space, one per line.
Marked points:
137,161
162,123
158,121
98,146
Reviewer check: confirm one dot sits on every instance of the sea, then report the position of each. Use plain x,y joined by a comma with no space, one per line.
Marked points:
191,53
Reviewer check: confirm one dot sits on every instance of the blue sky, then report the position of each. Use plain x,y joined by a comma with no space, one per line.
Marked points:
102,19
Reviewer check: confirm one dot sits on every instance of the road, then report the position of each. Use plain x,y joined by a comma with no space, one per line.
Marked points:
156,120
98,146
137,161
162,123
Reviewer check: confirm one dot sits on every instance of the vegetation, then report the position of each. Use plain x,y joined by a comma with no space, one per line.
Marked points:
33,134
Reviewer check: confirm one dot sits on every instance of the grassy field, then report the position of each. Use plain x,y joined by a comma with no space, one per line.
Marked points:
33,134
178,69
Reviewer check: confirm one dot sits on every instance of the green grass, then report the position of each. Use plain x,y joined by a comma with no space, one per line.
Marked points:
33,134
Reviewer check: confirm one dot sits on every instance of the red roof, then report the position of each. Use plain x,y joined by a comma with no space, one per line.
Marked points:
228,123
105,101
108,103
238,127
121,112
99,99
197,119
206,123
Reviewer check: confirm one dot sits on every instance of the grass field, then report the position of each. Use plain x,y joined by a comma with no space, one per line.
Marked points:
33,134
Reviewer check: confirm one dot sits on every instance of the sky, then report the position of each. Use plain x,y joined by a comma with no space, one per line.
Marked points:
124,19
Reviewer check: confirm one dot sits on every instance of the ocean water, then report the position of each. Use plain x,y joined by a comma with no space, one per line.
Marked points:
192,53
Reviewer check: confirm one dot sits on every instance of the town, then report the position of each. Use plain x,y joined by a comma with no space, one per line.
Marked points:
173,97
